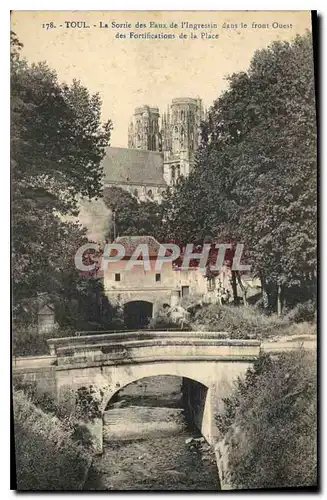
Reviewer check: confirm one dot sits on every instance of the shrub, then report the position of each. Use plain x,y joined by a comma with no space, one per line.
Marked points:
192,302
26,341
76,408
87,404
47,458
305,312
28,387
303,329
239,322
247,322
270,426
162,321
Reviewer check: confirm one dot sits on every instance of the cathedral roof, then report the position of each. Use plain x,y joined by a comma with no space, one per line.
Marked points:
134,166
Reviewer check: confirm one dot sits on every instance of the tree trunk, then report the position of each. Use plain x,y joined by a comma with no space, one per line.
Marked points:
242,287
265,295
279,300
234,288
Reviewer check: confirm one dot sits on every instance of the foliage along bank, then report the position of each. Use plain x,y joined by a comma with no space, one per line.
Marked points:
268,432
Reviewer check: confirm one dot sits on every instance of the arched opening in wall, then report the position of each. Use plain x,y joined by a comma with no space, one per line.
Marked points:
147,441
191,142
156,406
182,138
137,314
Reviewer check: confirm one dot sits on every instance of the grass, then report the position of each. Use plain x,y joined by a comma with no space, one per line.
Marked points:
46,456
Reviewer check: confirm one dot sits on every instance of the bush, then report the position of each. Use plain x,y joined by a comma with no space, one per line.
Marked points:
163,321
269,425
239,322
248,322
76,408
26,341
192,302
87,404
305,312
47,458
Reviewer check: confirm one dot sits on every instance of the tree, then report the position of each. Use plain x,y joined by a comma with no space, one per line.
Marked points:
132,217
57,144
124,209
254,181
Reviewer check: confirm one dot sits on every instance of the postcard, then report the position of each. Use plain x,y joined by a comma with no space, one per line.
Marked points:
164,250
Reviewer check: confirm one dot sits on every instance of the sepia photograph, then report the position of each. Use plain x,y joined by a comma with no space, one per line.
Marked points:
163,250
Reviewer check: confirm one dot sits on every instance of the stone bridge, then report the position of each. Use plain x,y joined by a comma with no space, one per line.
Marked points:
209,362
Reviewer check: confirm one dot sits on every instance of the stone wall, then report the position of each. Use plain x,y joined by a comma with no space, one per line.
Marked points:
221,449
38,370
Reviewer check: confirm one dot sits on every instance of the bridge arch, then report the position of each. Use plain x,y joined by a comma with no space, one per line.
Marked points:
110,361
139,372
194,397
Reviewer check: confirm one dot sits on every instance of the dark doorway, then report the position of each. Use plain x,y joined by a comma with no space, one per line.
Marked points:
137,314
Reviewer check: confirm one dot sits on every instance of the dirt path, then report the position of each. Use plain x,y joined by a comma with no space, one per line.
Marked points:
166,463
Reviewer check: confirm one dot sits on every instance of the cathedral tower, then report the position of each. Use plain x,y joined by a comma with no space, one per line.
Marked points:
178,137
143,132
181,136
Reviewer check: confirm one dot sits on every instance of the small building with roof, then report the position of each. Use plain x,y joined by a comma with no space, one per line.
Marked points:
142,289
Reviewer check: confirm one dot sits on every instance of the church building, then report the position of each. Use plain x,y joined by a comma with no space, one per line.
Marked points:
159,151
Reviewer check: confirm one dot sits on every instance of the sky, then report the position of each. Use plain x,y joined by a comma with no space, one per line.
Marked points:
129,72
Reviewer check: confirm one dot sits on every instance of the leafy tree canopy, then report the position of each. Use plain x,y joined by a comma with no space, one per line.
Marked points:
132,217
254,181
57,144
